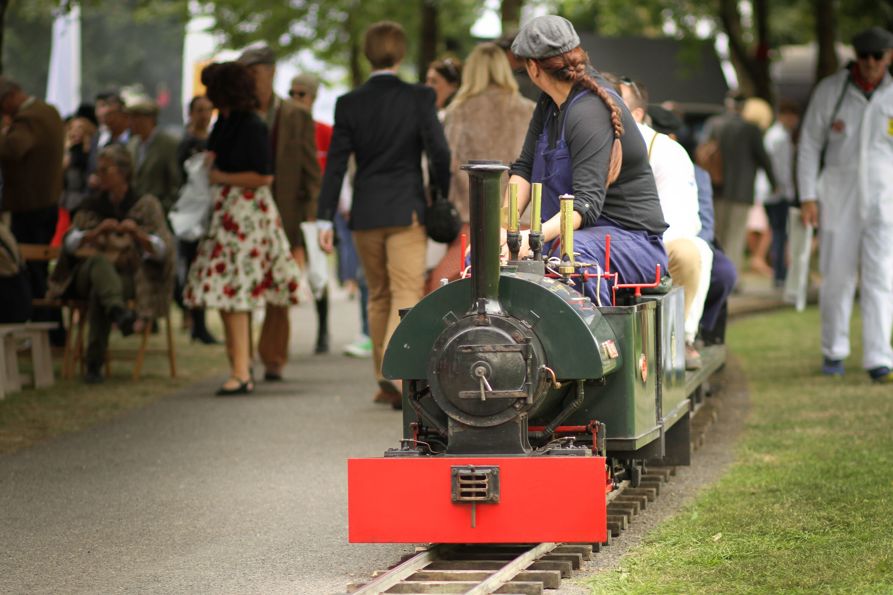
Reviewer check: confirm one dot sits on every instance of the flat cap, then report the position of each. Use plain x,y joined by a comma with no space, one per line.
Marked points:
544,37
259,54
874,39
142,106
663,120
308,81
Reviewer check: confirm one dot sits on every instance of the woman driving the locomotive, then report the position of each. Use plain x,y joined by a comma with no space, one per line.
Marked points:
583,141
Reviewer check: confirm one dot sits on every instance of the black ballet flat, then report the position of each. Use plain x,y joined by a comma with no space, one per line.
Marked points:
205,338
244,388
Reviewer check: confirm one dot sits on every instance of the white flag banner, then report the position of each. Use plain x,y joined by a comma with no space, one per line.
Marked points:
64,82
800,241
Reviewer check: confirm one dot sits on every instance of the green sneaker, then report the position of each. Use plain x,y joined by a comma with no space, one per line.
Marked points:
361,348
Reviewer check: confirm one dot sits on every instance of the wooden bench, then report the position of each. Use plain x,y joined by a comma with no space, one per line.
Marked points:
73,359
37,336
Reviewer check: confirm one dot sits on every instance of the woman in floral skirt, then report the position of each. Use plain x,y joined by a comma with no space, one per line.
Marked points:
245,259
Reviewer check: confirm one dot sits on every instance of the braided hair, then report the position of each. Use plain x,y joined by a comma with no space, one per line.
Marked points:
573,67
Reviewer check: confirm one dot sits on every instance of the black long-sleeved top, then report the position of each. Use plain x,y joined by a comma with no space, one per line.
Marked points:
385,124
632,200
743,152
242,143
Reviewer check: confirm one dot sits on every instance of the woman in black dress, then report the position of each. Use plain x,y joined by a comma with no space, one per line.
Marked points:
245,259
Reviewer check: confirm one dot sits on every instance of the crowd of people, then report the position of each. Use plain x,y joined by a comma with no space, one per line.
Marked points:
279,187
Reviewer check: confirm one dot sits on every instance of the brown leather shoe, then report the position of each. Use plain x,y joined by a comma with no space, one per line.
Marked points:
394,387
382,397
385,398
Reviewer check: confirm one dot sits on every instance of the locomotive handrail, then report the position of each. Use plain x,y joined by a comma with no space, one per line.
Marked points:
638,286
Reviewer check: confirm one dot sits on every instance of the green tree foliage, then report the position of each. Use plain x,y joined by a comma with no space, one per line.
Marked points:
124,42
333,29
766,27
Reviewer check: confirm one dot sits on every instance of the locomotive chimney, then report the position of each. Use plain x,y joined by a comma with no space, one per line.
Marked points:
485,204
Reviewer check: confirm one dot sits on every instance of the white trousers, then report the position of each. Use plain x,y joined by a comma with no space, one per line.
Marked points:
852,250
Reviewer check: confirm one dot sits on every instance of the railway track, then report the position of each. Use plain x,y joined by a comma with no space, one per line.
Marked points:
530,569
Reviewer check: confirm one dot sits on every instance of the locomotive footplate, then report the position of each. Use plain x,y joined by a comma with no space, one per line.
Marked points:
477,499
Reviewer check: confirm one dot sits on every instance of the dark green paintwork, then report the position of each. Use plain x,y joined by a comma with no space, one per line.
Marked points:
565,323
671,310
626,404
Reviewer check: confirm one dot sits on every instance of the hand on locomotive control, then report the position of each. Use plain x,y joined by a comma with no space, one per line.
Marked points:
523,252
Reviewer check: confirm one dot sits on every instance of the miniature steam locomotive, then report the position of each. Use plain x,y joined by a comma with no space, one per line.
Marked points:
525,404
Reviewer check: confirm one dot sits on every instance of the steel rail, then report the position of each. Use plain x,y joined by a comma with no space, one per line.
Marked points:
510,570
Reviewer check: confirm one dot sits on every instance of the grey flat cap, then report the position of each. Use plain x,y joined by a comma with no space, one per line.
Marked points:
142,106
544,37
874,39
259,54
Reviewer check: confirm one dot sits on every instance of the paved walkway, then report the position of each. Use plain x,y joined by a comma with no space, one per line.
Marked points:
196,494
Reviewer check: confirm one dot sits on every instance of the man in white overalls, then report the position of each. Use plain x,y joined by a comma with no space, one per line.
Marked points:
845,176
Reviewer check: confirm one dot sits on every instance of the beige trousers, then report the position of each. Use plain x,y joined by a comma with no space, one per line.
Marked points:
394,262
691,261
731,228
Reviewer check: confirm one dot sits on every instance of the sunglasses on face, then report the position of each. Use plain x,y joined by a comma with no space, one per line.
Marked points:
625,80
878,56
298,94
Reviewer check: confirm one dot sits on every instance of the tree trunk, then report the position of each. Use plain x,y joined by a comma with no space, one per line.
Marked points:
762,77
826,36
3,5
752,70
356,72
427,37
510,14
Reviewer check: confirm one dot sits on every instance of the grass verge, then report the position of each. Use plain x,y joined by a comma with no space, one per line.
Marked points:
31,416
808,505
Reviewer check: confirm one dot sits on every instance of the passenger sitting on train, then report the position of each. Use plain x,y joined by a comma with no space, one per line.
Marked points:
723,276
583,141
674,173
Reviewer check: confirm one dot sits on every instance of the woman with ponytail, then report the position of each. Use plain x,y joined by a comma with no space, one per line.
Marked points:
577,143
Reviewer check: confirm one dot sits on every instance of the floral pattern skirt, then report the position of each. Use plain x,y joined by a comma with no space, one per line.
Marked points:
245,259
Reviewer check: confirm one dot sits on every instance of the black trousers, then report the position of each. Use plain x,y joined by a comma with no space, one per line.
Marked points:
777,214
39,227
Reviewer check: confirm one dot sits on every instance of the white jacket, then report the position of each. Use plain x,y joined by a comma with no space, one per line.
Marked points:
780,148
858,156
674,174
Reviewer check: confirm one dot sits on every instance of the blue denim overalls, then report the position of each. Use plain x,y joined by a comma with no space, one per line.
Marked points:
634,253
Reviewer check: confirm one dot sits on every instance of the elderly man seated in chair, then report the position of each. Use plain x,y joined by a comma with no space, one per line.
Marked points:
118,248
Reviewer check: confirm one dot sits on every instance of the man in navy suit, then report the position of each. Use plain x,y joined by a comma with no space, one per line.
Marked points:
386,124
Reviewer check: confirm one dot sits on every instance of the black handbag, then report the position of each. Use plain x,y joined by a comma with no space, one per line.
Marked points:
442,219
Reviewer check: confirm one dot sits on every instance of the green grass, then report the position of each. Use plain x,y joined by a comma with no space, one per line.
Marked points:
31,416
808,505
